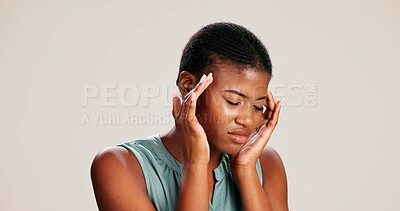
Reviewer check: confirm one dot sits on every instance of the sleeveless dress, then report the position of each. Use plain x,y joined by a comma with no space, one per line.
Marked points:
162,174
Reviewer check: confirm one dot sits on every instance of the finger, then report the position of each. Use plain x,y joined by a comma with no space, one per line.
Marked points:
190,104
188,97
203,77
277,111
176,106
268,126
270,104
185,104
271,124
197,91
188,108
204,82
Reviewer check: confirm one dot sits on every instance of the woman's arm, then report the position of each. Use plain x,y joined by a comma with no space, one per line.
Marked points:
118,181
273,193
274,179
192,139
193,193
251,192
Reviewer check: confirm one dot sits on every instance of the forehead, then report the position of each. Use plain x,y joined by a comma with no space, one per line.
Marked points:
247,80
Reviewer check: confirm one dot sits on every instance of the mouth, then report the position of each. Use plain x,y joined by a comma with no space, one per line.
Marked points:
238,137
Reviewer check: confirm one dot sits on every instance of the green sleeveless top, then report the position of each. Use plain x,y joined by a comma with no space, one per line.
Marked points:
162,174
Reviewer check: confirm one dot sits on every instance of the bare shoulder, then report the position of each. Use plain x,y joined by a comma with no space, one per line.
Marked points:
118,180
270,159
274,178
114,159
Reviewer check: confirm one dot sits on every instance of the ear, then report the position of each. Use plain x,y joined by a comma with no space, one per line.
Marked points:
186,82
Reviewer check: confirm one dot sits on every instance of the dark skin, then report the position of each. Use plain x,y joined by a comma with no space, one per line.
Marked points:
215,117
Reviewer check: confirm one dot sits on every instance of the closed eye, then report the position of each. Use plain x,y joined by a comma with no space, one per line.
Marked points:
236,104
232,103
259,109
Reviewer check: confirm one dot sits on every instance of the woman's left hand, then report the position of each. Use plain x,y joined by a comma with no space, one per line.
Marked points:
247,156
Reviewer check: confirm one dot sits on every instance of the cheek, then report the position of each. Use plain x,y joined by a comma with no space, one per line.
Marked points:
213,116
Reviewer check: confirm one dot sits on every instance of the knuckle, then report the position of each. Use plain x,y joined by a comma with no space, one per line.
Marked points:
190,119
183,117
271,123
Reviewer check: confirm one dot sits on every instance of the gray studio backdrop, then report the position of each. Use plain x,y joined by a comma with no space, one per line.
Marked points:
78,76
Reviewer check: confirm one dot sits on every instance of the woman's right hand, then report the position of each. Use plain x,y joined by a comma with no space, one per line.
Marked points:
190,134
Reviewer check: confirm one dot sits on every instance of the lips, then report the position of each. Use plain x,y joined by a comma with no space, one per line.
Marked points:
239,136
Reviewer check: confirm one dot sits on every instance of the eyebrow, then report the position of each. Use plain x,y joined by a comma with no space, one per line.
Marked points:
241,94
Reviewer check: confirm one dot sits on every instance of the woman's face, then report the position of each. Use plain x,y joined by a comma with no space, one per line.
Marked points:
232,106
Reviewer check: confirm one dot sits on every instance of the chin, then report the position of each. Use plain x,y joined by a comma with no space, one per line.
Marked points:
229,148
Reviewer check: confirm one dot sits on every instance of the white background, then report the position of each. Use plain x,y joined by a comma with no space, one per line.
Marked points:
339,154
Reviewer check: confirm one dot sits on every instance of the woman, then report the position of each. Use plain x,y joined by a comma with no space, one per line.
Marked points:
215,157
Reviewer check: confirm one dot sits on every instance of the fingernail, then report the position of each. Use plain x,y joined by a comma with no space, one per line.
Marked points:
282,100
203,78
209,76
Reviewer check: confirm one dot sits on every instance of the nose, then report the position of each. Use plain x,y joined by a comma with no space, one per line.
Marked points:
245,117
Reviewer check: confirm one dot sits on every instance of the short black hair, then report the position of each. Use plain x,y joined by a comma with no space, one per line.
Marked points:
227,41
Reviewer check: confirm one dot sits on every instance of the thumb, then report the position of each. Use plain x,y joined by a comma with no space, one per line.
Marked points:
176,105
